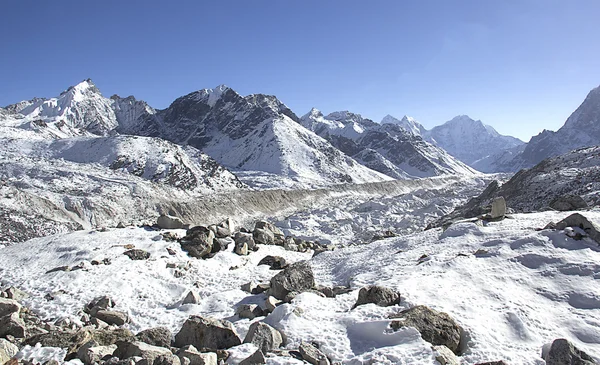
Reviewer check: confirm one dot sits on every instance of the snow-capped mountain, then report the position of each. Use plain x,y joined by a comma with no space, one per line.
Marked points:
582,129
408,123
387,148
252,133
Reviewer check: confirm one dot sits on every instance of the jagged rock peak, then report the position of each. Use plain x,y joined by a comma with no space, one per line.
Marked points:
346,116
313,113
84,86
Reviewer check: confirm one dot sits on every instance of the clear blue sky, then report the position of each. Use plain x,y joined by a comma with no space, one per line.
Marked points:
518,65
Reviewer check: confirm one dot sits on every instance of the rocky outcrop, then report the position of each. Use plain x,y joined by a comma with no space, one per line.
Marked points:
568,202
580,221
562,352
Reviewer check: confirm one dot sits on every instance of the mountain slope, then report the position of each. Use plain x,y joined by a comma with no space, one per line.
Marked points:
387,148
408,123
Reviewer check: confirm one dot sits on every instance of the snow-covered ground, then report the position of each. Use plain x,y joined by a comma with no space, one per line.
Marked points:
511,287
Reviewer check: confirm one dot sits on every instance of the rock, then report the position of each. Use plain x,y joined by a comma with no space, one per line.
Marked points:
59,268
159,336
9,306
267,234
326,291
112,317
162,360
169,222
137,254
225,228
221,244
568,202
312,354
240,238
198,242
562,352
445,356
91,353
437,328
339,290
207,333
249,311
297,277
257,358
191,298
12,325
7,350
249,286
15,293
261,288
127,349
103,302
264,336
271,303
195,357
274,262
72,341
492,363
382,296
241,248
579,220
498,208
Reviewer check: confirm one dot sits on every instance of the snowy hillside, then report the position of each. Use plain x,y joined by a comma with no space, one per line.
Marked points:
387,148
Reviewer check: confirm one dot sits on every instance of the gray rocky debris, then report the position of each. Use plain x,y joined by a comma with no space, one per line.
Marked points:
568,202
112,317
207,333
249,311
137,254
198,242
297,277
169,222
382,296
312,355
264,336
158,336
563,352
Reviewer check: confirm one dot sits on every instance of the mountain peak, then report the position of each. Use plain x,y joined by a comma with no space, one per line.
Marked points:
314,112
83,87
408,123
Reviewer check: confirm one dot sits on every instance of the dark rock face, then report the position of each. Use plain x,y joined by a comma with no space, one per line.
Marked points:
198,242
382,296
437,328
159,336
297,277
579,220
274,262
207,333
562,352
568,202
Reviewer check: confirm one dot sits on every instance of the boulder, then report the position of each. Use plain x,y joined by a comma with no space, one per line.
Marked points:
158,336
249,311
437,328
240,238
221,244
112,317
198,242
12,325
195,357
127,349
103,302
382,296
255,359
445,356
225,228
312,355
568,202
72,340
241,248
91,353
271,303
266,233
169,222
263,237
274,262
249,286
191,298
7,350
562,352
492,363
137,254
264,336
297,277
207,333
579,220
9,306
15,293
498,208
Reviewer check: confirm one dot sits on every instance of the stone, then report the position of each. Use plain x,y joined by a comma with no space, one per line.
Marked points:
271,303
312,355
169,222
198,242
274,262
261,288
382,296
445,356
264,237
492,363
195,357
249,286
579,220
437,328
127,349
240,238
91,353
562,352
278,236
9,306
158,336
325,290
15,293
256,358
207,333
568,202
7,350
241,249
297,277
225,228
249,311
112,317
221,244
137,254
264,336
498,208
191,298
12,325
103,302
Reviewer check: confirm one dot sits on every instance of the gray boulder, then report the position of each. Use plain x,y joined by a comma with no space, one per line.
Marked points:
224,229
445,356
91,353
249,311
159,336
9,306
198,242
264,336
15,293
103,302
127,349
267,234
194,357
437,328
492,363
562,352
7,350
112,317
498,208
241,248
312,355
382,296
191,298
169,222
207,333
297,277
274,262
271,303
137,254
221,244
257,358
579,220
12,325
568,202
242,238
